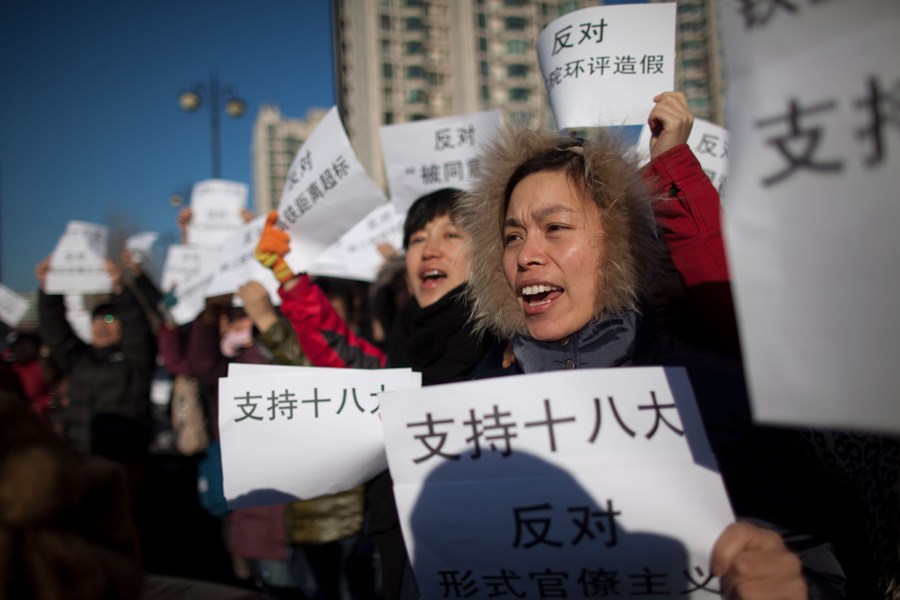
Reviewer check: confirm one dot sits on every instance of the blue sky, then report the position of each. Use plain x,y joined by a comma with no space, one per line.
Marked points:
90,127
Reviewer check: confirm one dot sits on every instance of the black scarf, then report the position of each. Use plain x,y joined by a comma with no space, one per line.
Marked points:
437,341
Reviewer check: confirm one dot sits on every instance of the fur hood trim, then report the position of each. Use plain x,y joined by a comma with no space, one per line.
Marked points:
614,183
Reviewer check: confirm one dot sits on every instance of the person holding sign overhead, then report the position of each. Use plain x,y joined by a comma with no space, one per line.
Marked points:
562,256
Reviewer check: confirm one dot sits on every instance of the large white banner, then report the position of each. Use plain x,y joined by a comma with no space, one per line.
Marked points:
292,433
603,65
216,212
327,192
564,481
813,212
425,156
76,265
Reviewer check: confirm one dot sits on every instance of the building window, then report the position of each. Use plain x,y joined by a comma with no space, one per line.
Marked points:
415,96
516,47
694,63
416,72
692,45
385,22
413,24
568,6
520,117
519,94
415,48
485,68
388,118
485,92
385,46
517,71
414,2
482,44
387,70
418,117
482,20
388,95
513,2
515,23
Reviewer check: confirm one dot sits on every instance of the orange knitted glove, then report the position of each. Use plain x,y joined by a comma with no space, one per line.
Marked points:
273,245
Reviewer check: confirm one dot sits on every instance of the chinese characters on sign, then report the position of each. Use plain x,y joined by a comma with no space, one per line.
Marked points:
424,156
556,485
603,65
797,133
327,192
709,143
306,198
812,202
497,429
327,418
758,13
76,265
586,582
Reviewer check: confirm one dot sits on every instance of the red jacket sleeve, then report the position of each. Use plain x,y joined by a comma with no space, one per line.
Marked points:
171,348
688,211
326,340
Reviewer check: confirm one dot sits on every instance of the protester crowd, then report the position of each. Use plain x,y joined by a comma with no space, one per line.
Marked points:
564,255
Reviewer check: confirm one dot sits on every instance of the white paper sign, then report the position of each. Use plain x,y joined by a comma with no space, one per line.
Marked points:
301,434
76,265
12,306
425,156
216,206
556,473
708,142
188,271
236,264
603,65
79,317
759,34
356,254
811,226
327,192
140,244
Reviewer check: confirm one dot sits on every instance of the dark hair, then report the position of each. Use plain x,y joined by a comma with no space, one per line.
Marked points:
102,310
428,207
566,157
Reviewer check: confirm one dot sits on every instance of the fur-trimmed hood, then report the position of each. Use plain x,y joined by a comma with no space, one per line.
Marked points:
631,246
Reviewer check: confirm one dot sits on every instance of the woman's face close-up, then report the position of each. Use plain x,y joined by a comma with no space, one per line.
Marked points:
437,260
553,245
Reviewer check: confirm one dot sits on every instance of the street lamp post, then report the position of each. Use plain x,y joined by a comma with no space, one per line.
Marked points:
215,98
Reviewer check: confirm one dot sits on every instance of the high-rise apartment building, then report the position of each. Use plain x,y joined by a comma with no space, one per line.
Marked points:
699,71
403,60
276,140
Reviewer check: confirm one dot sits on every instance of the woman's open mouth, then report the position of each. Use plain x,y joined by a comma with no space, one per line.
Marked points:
432,277
537,295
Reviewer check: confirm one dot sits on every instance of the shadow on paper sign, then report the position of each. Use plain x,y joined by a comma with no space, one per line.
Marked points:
533,530
262,497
